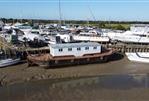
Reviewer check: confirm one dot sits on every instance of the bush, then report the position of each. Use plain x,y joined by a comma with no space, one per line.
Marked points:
120,27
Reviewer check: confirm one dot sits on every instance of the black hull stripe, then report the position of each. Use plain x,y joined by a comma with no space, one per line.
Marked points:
141,56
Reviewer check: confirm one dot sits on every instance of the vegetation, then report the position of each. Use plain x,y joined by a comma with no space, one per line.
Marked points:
117,25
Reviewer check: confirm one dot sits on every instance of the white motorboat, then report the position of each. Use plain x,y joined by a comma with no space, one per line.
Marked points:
135,35
92,35
9,62
129,37
138,56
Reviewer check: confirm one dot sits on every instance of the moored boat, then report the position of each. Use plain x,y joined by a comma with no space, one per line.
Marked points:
138,34
9,62
92,36
71,54
138,56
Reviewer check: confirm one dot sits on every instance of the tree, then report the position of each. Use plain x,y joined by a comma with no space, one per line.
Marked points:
120,27
101,24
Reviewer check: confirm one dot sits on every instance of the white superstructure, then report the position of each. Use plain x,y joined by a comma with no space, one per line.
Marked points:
65,37
92,35
140,28
74,49
129,37
137,34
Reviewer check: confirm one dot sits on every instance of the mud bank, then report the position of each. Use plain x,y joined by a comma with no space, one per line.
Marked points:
23,73
97,88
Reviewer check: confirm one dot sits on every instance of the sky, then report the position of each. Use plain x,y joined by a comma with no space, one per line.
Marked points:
117,10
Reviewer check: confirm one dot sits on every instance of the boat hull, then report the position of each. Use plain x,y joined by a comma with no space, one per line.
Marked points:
138,56
69,61
9,62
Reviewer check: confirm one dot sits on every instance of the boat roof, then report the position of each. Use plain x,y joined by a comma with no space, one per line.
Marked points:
68,45
140,25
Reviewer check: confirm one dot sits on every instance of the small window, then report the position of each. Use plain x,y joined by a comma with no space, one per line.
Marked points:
94,47
60,50
69,49
78,48
86,48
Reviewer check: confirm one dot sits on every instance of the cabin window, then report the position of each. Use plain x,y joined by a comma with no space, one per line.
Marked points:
86,48
78,48
94,47
69,49
60,50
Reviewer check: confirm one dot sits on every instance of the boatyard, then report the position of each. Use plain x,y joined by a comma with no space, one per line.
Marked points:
47,60
24,48
74,50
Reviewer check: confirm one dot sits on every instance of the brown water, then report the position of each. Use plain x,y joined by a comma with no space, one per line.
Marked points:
104,88
117,80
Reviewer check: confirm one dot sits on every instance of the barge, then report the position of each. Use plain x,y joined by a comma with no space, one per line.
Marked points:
71,54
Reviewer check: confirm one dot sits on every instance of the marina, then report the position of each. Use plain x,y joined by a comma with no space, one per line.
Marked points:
105,67
23,40
81,59
74,50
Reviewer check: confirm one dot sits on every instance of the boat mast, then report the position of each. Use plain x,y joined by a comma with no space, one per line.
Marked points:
91,13
60,19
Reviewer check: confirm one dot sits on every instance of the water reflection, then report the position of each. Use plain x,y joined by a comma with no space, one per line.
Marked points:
109,82
87,84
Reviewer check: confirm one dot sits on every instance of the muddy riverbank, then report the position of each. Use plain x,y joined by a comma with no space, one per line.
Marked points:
23,73
116,80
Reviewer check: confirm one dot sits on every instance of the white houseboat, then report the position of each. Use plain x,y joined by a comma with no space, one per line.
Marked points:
74,49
